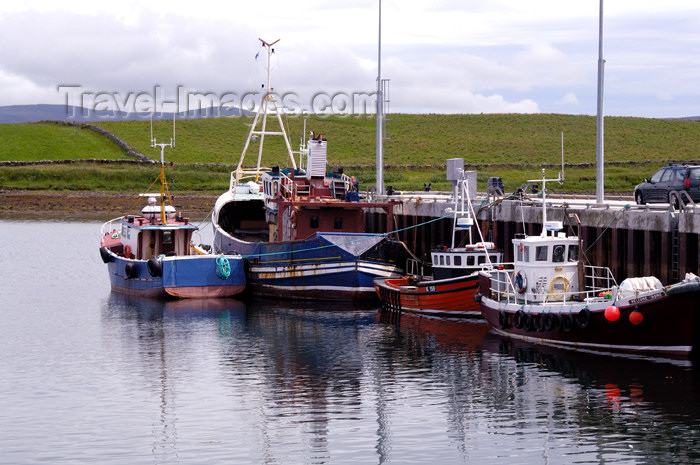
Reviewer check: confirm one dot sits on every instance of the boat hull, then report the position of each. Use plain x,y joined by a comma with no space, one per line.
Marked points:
667,321
453,297
326,266
182,277
335,280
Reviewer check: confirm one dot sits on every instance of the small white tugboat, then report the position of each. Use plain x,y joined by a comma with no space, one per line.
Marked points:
548,296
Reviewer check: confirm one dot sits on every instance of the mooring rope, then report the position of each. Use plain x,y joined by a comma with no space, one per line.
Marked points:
372,236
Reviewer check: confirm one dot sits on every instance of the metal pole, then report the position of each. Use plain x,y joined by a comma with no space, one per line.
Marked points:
599,155
380,111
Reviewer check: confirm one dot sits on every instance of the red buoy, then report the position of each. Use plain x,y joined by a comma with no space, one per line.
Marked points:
612,313
636,317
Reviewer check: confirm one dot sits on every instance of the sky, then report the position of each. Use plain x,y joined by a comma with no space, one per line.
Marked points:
442,56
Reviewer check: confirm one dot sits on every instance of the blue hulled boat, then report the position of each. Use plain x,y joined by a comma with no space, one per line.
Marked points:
153,255
301,230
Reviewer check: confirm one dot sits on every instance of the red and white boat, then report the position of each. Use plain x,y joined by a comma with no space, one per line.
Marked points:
548,296
450,289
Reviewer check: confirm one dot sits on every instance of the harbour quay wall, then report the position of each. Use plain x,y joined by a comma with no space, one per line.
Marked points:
631,240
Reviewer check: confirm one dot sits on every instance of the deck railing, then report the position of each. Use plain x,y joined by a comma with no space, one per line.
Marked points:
599,283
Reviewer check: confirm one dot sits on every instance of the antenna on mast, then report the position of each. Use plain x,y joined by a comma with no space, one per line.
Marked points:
163,181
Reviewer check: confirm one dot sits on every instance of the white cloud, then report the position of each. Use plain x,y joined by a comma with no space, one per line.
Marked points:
445,56
568,99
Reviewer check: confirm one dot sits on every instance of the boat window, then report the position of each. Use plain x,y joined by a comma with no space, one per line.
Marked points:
458,260
338,223
482,259
447,260
558,253
435,258
526,253
442,260
541,253
167,237
313,222
470,260
494,259
573,253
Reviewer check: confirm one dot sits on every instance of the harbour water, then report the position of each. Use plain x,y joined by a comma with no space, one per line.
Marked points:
87,377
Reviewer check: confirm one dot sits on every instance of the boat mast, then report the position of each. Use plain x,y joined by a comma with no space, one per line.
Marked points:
264,108
380,111
599,156
163,181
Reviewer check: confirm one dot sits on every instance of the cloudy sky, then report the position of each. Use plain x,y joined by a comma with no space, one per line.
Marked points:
442,56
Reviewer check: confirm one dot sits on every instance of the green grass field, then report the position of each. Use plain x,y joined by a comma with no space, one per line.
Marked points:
512,146
42,141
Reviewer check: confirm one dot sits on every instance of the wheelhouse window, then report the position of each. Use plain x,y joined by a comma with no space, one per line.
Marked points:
541,253
442,260
458,260
470,260
167,237
573,253
338,223
558,253
523,253
313,222
447,260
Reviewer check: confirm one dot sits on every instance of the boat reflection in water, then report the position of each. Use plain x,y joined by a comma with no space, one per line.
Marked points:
648,390
317,382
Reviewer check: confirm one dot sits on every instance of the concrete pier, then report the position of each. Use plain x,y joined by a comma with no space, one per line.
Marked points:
632,240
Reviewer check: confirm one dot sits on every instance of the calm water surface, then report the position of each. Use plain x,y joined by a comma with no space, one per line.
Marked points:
91,377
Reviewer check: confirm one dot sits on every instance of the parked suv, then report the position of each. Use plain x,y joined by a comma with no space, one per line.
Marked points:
667,185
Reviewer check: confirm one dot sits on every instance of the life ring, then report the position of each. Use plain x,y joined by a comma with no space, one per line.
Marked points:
566,323
583,318
503,319
518,319
127,251
520,282
223,267
561,295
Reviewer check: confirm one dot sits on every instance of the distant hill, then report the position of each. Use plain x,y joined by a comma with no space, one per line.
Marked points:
32,113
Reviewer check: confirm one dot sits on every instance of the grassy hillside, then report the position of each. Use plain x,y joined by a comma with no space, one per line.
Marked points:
512,146
430,139
45,141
